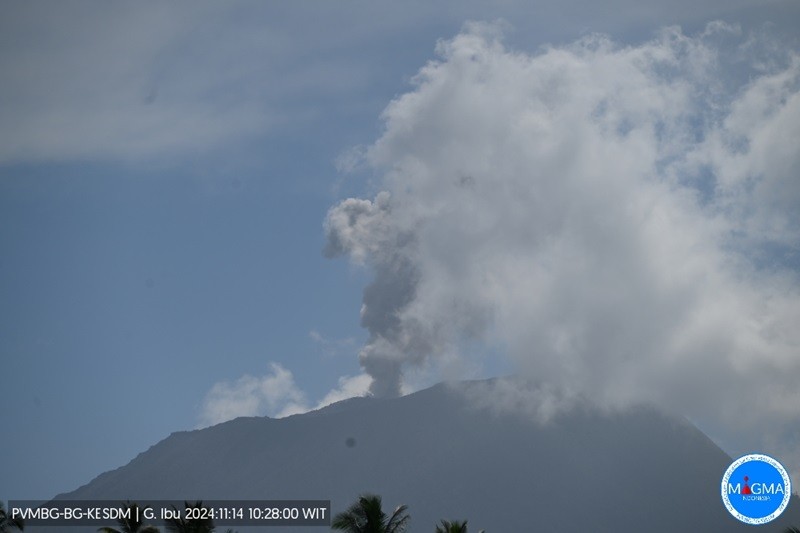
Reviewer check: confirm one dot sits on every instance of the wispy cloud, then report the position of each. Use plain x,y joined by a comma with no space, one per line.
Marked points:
274,394
88,81
348,387
333,347
110,81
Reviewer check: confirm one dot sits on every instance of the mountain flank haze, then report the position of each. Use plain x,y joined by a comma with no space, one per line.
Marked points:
447,456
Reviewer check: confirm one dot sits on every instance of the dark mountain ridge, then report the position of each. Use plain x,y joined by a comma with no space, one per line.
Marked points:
443,456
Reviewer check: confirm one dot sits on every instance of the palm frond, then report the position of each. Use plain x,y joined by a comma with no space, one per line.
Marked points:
452,527
399,520
7,524
366,516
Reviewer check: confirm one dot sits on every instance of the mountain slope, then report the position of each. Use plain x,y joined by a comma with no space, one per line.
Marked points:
433,450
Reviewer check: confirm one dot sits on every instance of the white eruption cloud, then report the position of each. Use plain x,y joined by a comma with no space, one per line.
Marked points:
622,221
274,394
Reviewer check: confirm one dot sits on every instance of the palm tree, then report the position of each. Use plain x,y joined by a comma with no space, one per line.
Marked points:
367,516
199,525
134,524
8,524
452,527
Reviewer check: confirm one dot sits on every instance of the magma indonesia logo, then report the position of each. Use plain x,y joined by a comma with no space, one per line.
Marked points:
756,489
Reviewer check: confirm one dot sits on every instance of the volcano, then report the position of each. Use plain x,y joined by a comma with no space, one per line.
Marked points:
448,456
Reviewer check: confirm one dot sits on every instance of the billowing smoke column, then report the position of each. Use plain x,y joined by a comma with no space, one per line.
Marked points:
363,229
621,221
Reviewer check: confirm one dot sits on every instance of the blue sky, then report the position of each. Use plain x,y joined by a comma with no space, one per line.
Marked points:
166,178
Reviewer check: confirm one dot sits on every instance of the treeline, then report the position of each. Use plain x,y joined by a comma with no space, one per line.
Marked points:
366,515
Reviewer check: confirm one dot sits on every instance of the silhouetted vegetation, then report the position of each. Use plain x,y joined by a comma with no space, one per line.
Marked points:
367,516
193,525
8,524
452,527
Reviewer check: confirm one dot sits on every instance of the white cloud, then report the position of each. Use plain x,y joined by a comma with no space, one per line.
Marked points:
599,212
274,394
97,81
333,347
349,387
